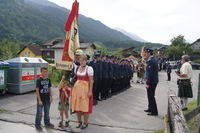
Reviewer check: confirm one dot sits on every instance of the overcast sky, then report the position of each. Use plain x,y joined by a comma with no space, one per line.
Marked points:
152,20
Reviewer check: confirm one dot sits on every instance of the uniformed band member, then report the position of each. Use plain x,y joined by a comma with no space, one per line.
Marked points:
169,70
94,66
140,68
184,81
105,80
111,76
151,81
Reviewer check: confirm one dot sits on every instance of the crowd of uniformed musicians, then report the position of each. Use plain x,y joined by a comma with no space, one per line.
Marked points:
111,76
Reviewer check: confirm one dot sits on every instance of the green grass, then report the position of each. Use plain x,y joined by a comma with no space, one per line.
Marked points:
196,61
191,125
160,131
191,106
2,111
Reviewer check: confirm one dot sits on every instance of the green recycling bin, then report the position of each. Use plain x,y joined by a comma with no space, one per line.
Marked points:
3,76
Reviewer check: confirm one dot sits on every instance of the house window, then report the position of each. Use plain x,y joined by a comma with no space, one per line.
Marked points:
48,53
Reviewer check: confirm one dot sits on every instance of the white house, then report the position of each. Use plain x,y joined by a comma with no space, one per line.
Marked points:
53,49
196,45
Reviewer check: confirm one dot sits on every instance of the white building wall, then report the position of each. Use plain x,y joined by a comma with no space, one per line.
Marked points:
196,46
58,54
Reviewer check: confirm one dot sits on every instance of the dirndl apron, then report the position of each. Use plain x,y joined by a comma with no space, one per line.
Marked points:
80,101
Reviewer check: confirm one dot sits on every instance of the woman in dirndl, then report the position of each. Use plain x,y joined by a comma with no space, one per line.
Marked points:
82,99
184,81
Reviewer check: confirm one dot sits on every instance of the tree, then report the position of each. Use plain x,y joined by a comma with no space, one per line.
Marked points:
178,41
107,51
178,47
9,49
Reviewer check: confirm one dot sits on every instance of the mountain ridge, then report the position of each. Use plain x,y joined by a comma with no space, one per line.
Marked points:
131,35
31,20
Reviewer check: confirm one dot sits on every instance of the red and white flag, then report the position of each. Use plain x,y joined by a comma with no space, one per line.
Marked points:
71,40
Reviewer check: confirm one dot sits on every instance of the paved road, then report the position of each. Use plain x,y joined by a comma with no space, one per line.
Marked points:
9,127
123,113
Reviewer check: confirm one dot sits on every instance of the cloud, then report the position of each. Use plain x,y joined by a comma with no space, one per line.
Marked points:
153,20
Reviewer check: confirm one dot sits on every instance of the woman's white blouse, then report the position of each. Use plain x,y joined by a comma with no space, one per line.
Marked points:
89,69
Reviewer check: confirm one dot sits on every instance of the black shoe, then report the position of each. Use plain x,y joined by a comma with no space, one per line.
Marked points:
49,125
147,110
60,124
67,124
103,98
99,99
84,126
153,114
38,127
72,112
109,96
79,125
184,109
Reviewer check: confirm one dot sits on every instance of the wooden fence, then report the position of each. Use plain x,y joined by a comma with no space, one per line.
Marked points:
175,120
